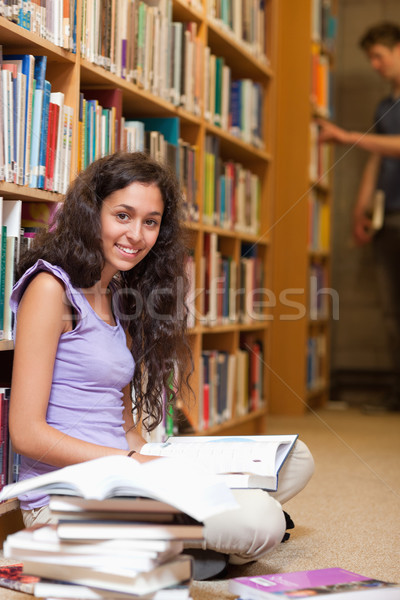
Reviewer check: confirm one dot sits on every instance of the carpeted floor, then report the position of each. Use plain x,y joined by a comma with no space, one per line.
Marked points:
349,514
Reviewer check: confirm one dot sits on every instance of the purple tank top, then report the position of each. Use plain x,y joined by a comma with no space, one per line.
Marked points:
92,366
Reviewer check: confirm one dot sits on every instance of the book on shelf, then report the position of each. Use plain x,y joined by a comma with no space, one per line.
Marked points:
1,119
44,131
58,98
18,100
240,461
55,21
54,112
11,222
245,20
37,117
328,583
232,193
176,52
65,162
3,244
242,382
4,437
316,361
318,291
8,123
26,63
253,346
109,98
38,214
167,481
9,460
217,397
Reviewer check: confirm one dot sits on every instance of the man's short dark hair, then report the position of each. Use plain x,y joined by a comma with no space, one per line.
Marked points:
387,34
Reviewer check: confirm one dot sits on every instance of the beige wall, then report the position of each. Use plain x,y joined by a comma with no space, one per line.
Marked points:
358,338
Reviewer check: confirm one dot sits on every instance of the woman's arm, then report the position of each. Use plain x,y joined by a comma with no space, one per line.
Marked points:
133,435
43,316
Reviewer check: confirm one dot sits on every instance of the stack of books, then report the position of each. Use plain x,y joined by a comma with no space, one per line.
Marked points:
121,528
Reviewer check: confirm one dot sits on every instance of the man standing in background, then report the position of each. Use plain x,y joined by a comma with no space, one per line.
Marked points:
381,178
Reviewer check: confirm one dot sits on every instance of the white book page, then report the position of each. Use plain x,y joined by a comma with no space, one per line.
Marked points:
177,482
259,455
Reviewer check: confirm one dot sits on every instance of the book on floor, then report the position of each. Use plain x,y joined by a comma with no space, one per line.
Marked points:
105,530
43,540
333,583
244,461
114,578
174,481
112,507
13,577
25,545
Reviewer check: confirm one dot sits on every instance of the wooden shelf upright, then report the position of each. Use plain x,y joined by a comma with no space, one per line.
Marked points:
300,333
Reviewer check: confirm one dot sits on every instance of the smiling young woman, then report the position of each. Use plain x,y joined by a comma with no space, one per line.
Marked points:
83,290
100,309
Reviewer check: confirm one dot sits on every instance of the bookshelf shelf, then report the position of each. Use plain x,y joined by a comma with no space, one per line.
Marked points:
236,148
19,40
319,256
136,100
238,425
321,186
238,56
12,190
302,213
260,239
6,345
8,506
239,327
182,11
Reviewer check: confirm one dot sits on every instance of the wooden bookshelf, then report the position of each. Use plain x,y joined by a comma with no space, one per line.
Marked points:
296,328
69,73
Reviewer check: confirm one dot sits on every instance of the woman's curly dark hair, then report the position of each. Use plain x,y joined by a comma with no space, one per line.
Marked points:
151,296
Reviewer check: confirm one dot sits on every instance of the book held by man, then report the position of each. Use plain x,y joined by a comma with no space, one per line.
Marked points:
332,583
242,461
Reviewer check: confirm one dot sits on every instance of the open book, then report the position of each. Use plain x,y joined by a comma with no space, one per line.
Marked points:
243,461
176,482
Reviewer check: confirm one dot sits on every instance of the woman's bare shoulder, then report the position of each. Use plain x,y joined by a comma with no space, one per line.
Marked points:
45,285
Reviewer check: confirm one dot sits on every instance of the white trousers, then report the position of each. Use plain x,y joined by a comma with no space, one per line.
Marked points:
258,525
251,530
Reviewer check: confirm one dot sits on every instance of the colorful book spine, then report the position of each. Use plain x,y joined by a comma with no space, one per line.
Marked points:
39,75
44,136
3,249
